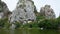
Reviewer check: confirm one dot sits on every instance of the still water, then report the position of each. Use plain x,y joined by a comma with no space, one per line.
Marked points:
28,31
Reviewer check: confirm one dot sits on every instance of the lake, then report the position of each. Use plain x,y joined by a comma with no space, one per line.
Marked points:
28,31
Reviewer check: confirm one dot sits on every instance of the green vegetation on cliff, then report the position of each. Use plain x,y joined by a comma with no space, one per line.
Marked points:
39,23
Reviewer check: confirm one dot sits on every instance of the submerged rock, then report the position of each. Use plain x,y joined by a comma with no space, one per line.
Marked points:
24,12
47,11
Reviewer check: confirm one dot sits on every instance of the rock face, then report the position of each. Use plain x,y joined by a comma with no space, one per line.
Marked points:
4,11
47,11
24,12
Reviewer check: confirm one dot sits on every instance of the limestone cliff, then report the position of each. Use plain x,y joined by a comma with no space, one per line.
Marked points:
4,11
47,11
24,12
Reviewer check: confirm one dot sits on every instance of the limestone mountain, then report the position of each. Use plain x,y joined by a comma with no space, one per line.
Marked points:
24,12
47,11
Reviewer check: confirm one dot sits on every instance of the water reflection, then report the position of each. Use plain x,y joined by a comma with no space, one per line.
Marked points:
24,31
28,31
12,31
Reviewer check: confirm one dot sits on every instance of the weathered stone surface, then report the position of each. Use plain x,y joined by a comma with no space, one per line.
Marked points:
47,11
24,11
4,11
17,15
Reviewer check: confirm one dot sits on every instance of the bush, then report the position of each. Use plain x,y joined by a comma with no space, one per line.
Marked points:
31,25
58,19
18,25
3,22
48,24
38,18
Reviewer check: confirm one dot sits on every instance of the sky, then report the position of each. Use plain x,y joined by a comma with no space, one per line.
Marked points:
38,3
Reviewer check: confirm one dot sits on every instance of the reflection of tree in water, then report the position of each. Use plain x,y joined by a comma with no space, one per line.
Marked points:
25,31
12,31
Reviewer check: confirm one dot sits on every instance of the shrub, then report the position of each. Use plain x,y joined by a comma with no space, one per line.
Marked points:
3,22
48,24
31,25
18,25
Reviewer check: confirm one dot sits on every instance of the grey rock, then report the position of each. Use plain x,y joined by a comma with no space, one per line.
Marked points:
12,26
4,11
47,11
1,15
24,12
17,15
